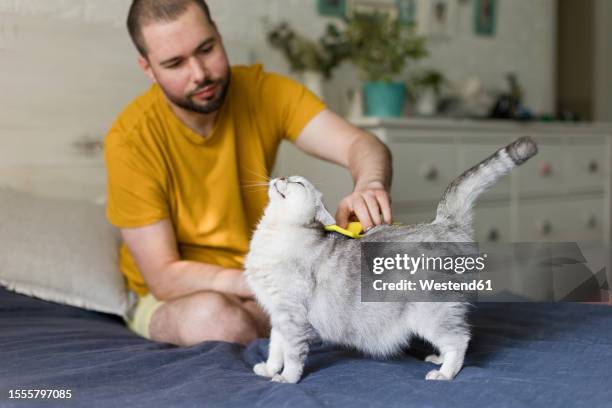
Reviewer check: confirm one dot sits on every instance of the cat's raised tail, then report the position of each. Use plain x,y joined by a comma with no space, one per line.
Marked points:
459,198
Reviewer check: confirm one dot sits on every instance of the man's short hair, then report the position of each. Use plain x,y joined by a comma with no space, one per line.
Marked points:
143,12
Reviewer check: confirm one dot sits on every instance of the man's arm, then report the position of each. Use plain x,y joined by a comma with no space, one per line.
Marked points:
329,137
155,251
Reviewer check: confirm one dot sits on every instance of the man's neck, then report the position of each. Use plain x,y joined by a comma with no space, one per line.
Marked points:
200,123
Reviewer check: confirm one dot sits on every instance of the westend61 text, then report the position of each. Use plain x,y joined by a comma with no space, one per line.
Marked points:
432,285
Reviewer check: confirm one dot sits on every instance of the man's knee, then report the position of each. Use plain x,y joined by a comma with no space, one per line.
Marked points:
208,316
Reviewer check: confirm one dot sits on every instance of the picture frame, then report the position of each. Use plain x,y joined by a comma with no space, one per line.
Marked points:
437,18
331,8
407,11
485,17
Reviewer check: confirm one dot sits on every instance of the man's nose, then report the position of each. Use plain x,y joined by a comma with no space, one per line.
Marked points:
198,72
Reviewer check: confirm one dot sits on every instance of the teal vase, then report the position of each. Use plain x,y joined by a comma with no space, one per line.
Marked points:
384,99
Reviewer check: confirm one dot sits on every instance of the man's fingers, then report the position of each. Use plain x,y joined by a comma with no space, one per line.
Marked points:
342,214
361,211
385,206
373,207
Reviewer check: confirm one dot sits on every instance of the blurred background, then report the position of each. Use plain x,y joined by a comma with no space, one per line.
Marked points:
443,82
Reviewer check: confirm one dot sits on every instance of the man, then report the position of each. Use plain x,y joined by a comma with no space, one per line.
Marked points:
182,159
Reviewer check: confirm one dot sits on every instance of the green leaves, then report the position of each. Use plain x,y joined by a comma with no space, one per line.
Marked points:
304,54
381,45
376,43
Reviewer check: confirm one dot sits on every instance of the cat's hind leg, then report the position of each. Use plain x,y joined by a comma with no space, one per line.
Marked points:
274,364
452,348
446,329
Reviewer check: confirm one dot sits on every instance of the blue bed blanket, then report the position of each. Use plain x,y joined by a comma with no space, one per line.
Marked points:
521,355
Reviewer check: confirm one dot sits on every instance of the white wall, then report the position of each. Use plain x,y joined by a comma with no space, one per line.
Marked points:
63,77
68,68
525,43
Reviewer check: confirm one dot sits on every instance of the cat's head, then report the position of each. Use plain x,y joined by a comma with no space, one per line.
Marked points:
294,200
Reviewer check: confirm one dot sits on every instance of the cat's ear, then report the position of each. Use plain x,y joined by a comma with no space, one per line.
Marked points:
323,216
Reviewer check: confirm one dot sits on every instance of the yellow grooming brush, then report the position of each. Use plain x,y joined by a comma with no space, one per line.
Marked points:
353,230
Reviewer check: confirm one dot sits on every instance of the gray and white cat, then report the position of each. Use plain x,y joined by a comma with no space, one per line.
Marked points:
308,280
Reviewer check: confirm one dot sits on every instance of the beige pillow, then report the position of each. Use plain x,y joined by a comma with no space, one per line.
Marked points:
62,251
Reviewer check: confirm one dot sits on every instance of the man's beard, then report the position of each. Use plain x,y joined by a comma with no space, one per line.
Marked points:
207,107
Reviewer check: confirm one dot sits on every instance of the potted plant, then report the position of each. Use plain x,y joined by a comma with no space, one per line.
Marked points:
313,60
380,47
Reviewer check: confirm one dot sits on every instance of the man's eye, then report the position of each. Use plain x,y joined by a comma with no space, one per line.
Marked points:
206,50
173,65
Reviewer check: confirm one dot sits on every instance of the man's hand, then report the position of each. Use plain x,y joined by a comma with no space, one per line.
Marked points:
371,204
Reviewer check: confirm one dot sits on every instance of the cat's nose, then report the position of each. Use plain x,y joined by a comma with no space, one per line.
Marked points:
282,179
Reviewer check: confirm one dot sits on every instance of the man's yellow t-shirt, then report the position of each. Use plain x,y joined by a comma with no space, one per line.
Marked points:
158,168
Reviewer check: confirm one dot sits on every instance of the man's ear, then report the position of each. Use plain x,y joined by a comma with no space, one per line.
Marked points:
146,67
323,216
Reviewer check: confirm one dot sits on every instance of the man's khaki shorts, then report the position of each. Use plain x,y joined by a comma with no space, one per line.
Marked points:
139,318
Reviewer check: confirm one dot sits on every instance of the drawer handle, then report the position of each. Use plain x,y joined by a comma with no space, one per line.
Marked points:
593,166
545,169
493,235
591,221
430,173
544,227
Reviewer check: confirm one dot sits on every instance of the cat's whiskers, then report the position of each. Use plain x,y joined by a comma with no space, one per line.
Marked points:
256,187
254,184
259,176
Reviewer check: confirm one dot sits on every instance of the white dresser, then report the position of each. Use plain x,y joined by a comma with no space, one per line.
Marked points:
562,194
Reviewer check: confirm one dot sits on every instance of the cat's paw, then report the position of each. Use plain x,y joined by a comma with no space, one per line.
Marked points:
433,358
261,369
279,378
436,375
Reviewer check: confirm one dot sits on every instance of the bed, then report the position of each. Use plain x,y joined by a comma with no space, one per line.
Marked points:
521,355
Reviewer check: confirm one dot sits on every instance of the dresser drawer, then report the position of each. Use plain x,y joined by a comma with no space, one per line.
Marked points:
562,220
492,223
422,171
584,219
545,172
586,163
